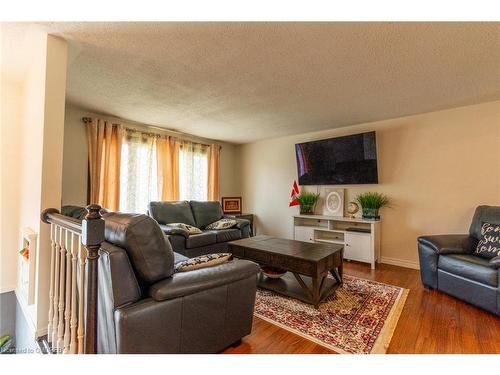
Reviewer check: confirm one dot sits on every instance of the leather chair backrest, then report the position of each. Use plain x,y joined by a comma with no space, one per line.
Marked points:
149,251
206,212
483,214
171,212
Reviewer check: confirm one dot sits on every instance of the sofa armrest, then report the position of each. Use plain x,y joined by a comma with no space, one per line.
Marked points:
448,243
170,230
241,223
185,283
495,262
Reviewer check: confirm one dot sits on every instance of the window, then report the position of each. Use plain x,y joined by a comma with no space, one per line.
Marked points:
138,173
193,172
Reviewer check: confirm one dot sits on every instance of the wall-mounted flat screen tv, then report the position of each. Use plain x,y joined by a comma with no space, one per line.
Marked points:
338,161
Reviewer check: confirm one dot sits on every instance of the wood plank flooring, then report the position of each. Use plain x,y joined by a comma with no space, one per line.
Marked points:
431,322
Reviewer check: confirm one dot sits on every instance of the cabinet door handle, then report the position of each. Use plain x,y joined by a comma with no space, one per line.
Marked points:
347,244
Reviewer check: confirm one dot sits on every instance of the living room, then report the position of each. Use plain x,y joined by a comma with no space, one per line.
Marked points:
250,187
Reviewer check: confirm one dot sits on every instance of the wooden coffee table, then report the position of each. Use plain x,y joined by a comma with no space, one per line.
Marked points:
308,264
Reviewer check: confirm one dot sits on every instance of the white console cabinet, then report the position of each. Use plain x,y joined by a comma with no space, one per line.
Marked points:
361,238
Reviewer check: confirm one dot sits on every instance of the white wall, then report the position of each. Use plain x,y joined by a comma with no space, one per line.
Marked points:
436,168
31,178
75,168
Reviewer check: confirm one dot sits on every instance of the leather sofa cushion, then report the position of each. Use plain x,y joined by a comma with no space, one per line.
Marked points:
483,214
198,240
226,235
172,212
147,247
186,283
206,212
179,258
177,242
470,267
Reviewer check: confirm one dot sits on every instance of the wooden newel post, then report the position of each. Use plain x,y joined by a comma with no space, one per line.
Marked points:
92,236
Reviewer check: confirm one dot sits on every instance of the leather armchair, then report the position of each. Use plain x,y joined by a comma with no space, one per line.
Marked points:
145,307
448,264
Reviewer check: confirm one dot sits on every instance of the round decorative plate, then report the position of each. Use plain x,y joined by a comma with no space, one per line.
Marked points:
333,202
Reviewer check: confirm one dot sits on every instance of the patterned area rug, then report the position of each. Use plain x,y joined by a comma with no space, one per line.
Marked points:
359,318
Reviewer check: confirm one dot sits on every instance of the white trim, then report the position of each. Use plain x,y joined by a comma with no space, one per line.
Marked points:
400,263
7,289
27,315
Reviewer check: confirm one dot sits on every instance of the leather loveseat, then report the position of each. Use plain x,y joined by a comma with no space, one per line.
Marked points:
447,263
198,214
146,307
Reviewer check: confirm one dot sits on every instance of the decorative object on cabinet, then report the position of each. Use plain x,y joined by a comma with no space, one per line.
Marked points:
352,209
231,205
360,237
307,202
371,203
334,202
26,264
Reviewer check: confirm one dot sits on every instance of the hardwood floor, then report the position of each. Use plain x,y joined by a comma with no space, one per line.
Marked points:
431,322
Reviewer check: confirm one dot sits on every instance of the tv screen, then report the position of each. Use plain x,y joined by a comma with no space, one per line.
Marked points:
338,161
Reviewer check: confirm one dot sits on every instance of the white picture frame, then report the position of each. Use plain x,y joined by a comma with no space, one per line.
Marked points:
333,202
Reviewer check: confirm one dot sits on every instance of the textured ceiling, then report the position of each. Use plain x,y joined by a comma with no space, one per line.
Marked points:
241,82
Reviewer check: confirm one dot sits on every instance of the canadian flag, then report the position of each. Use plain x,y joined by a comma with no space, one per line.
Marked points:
293,195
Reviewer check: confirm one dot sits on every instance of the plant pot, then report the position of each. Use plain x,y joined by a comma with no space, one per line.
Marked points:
371,214
307,209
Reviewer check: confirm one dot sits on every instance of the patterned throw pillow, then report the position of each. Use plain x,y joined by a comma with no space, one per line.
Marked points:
489,243
202,261
222,224
189,228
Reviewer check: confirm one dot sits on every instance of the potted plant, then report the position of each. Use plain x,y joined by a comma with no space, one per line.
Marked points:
370,203
307,201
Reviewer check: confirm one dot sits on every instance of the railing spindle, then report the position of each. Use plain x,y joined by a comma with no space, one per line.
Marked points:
55,320
67,303
62,264
82,254
52,276
75,241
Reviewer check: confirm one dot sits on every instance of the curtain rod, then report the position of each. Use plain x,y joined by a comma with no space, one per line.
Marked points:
145,128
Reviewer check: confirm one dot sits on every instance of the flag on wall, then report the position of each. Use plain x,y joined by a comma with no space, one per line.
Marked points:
293,195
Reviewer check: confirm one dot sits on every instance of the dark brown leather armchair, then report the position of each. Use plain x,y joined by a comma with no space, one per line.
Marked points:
144,307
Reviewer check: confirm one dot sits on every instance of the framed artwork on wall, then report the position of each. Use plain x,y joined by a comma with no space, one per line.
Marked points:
231,205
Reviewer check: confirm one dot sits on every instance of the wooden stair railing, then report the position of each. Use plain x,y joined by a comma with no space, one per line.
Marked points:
74,258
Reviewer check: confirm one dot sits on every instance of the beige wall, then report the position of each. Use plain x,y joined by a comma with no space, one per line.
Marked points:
31,178
75,168
436,168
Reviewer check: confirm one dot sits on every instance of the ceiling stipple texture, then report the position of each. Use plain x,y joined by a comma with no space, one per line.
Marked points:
242,82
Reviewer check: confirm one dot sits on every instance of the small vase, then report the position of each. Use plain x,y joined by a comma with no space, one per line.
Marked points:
371,214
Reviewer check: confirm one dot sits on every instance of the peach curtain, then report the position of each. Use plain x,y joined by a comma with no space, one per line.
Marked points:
213,172
104,141
168,168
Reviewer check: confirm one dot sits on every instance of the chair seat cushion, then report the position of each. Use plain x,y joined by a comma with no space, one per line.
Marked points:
198,240
470,267
226,235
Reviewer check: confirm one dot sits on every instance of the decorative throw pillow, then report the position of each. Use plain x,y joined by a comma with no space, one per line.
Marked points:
489,243
222,224
189,228
202,261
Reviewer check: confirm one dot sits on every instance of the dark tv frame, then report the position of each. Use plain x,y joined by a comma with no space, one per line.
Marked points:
335,184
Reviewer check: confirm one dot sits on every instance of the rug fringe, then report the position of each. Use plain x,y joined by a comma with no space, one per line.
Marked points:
383,341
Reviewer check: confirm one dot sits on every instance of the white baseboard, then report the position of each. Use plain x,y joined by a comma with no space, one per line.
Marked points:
400,263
